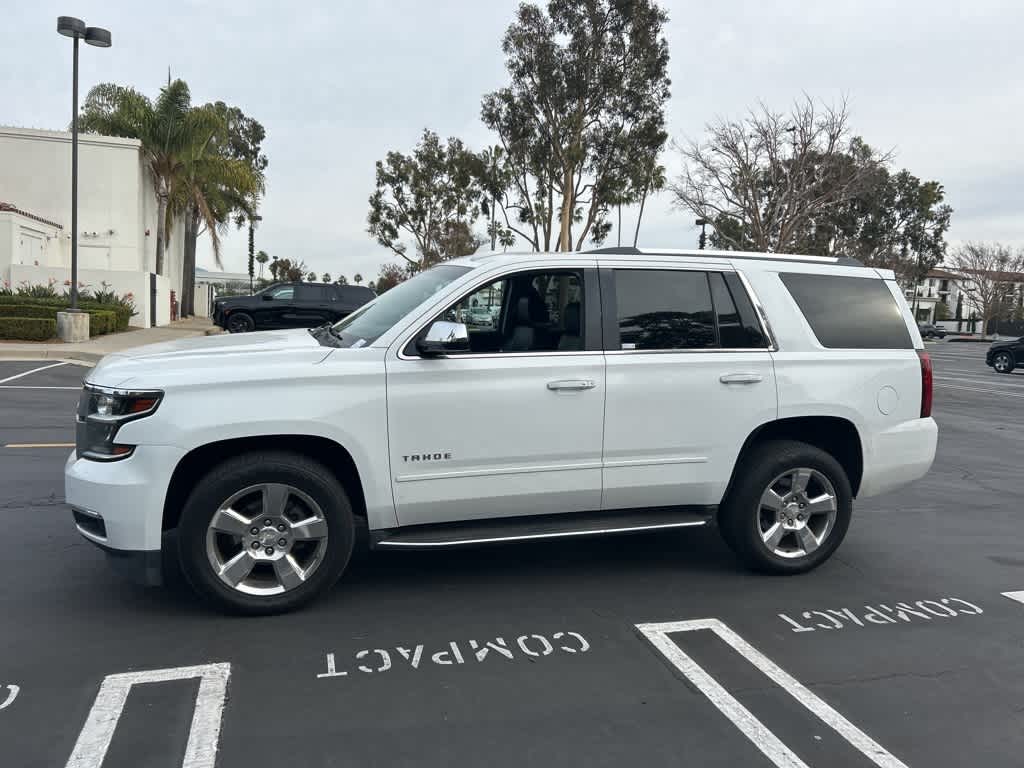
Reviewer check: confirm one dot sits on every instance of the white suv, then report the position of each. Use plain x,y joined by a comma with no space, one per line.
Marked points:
616,390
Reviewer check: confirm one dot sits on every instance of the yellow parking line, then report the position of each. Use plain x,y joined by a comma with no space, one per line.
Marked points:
40,445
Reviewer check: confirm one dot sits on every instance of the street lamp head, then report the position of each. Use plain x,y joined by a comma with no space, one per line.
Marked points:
69,26
97,36
701,222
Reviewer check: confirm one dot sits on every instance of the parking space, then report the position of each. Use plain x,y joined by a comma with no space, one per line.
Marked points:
902,650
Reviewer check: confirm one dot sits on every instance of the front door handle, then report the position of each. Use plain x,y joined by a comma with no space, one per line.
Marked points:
571,385
740,378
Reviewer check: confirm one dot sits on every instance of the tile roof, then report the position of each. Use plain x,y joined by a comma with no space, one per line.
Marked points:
12,208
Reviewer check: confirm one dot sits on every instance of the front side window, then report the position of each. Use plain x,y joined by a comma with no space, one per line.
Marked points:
373,320
664,309
284,293
526,312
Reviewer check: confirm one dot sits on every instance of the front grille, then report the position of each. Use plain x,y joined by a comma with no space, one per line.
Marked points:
90,523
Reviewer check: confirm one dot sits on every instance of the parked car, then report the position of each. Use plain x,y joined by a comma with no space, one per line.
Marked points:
929,331
289,305
1004,356
674,390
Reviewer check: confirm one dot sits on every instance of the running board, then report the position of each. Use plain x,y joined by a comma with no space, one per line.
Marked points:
540,527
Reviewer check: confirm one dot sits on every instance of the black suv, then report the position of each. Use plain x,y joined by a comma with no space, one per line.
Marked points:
289,305
929,331
1004,356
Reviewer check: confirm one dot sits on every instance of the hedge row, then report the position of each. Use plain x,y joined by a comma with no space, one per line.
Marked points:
101,321
28,328
122,314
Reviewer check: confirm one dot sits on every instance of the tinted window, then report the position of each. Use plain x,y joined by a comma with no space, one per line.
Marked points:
354,295
664,309
737,324
849,312
311,293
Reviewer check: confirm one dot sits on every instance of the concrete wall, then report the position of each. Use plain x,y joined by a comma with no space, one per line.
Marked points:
135,283
116,202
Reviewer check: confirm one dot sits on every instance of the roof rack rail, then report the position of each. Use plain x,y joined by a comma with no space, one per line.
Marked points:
838,261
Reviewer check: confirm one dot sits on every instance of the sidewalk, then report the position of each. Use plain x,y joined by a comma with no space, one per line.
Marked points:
91,351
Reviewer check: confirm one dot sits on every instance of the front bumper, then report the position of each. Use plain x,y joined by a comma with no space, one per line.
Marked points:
120,504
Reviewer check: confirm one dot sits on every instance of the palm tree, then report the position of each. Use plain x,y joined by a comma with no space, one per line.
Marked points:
357,278
166,127
262,257
209,188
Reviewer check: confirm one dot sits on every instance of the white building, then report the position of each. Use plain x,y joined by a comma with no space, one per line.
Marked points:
942,286
116,218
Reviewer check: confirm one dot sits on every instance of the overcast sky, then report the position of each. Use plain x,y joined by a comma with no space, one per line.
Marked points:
338,84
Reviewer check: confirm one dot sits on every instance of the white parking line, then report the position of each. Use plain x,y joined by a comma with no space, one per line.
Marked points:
991,381
1018,596
203,735
29,373
26,386
978,389
750,726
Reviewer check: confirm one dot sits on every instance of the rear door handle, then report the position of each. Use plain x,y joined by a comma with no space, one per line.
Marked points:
571,384
740,378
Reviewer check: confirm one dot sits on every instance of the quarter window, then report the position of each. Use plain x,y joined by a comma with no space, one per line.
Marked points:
664,309
849,312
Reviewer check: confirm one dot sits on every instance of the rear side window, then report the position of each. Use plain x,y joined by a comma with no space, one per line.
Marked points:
849,312
664,309
311,293
738,327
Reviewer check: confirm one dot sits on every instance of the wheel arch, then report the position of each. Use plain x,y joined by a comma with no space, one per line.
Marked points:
833,434
198,461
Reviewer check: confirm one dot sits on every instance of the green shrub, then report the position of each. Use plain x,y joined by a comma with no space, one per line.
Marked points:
27,328
28,310
101,321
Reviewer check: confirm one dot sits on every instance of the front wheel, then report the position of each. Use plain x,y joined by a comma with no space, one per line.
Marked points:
265,533
1003,363
790,509
240,322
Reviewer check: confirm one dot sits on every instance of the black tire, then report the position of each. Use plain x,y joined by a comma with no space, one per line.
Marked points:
240,322
740,516
1002,362
252,469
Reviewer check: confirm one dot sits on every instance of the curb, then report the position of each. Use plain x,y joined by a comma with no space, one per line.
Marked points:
89,358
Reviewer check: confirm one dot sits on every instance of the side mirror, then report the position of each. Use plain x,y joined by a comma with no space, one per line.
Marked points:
443,337
267,297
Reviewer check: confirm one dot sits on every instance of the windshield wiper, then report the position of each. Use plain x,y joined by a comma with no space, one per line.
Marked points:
318,334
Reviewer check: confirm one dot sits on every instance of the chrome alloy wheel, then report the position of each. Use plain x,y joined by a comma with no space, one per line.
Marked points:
266,539
1001,362
797,512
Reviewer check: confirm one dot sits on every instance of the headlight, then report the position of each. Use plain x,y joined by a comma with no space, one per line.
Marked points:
101,412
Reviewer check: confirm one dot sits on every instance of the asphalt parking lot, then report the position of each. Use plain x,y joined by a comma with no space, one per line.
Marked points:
902,650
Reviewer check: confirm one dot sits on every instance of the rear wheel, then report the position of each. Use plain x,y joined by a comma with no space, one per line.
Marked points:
265,533
790,510
1003,363
240,322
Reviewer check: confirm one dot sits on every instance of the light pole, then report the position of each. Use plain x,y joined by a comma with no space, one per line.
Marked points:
702,240
74,28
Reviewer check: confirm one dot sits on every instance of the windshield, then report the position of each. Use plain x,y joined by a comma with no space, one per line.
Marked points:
366,325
